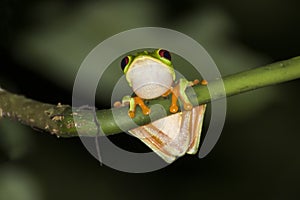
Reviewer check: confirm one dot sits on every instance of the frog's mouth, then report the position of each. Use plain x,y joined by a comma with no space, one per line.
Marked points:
149,79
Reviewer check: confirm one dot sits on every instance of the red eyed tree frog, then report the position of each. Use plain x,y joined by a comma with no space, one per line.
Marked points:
151,75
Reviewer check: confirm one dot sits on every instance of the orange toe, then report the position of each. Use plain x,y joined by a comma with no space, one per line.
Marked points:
131,114
146,111
196,81
204,82
173,108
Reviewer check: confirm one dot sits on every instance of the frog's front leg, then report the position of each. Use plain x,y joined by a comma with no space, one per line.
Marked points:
132,102
132,106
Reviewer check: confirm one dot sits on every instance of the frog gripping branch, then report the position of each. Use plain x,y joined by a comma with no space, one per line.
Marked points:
151,75
164,140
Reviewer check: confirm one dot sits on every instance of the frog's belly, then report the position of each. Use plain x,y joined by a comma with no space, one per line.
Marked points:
151,91
150,79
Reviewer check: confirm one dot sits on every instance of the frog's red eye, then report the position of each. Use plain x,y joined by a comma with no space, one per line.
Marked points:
165,54
124,62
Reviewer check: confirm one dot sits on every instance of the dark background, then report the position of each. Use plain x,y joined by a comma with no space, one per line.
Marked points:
257,156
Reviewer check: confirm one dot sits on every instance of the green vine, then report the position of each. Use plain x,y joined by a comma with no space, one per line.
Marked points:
58,119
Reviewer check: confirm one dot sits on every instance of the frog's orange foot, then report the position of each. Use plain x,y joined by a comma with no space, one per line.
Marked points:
137,101
131,114
117,104
146,110
204,82
195,82
173,108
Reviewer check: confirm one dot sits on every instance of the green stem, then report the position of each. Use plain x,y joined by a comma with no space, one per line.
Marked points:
58,119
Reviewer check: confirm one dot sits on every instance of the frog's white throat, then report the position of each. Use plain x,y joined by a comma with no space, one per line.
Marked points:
149,79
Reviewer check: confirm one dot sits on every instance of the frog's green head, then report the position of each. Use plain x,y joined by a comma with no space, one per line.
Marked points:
150,74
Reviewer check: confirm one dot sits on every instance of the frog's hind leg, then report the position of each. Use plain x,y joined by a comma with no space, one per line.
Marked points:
179,92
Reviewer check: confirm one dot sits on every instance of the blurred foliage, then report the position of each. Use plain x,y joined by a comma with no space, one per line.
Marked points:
18,184
43,44
61,45
15,140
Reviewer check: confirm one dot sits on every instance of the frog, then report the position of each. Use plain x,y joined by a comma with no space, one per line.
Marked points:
151,75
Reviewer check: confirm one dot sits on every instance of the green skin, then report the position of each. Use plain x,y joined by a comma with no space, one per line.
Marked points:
154,55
